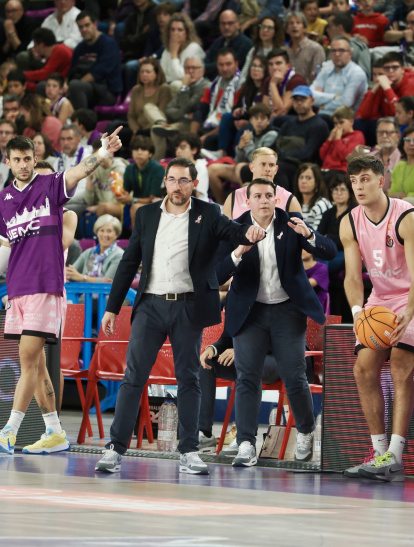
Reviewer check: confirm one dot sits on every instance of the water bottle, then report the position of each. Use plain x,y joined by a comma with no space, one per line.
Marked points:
157,390
272,415
167,427
317,438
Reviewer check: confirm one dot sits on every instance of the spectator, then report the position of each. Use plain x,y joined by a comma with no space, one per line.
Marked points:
43,148
343,199
404,111
188,145
219,98
7,132
318,275
263,135
5,68
388,136
143,178
16,83
15,30
409,38
134,34
11,111
231,37
342,141
340,6
118,17
99,264
397,30
39,118
282,80
369,26
316,25
341,24
86,121
153,44
56,58
268,35
95,72
204,14
305,56
60,106
341,82
299,139
310,190
179,111
402,178
72,154
98,195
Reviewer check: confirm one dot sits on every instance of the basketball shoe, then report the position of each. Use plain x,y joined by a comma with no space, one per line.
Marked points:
353,472
383,468
7,441
49,443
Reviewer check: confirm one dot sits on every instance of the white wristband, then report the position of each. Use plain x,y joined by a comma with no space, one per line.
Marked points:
356,309
103,152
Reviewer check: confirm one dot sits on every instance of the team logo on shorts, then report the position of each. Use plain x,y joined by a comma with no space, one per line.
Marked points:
389,241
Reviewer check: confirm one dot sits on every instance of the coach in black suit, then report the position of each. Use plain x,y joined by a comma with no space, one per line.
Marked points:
268,302
176,240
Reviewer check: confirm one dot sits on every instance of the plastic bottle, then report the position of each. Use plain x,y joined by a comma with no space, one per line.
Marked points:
317,438
272,415
167,427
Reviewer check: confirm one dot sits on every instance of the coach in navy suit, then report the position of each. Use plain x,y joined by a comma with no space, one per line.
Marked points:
178,295
269,300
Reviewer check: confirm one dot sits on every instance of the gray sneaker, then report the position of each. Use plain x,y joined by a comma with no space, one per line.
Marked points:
206,445
383,468
111,461
353,472
246,455
231,450
192,463
304,447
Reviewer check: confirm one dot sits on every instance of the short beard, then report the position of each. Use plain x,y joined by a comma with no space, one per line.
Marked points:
182,201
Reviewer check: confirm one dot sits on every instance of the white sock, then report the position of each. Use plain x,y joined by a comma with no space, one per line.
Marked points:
52,422
397,446
380,443
15,420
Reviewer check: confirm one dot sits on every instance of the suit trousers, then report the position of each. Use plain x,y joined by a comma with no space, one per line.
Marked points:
280,328
153,321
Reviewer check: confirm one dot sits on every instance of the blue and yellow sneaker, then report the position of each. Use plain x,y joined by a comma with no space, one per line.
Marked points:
49,443
7,441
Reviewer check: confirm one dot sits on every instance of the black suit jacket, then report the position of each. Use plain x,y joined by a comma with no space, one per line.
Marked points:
246,277
206,228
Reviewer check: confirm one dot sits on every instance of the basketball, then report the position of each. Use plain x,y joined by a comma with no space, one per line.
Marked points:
375,327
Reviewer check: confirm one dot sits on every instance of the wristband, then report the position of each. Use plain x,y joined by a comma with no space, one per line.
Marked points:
134,200
312,233
103,152
356,309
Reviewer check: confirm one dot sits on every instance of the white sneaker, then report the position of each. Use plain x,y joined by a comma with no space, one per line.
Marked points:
246,456
211,154
111,461
231,450
192,463
304,447
206,445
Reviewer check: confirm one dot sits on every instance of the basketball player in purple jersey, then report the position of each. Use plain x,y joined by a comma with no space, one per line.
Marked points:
31,246
380,231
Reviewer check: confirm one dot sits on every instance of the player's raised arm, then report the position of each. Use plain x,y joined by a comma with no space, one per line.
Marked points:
110,145
353,284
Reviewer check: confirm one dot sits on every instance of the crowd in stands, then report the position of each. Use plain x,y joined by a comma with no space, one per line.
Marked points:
318,82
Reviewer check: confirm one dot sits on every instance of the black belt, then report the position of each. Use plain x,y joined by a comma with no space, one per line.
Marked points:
175,296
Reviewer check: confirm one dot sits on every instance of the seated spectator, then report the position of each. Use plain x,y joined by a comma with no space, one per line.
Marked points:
318,276
11,111
86,120
134,34
180,42
43,148
95,71
99,264
188,145
153,43
117,18
388,136
263,135
5,68
15,30
205,15
16,83
409,39
282,80
402,178
7,132
343,199
397,31
404,111
268,35
310,190
178,113
143,178
305,56
339,6
316,25
39,118
342,141
60,106
98,195
56,58
369,26
231,37
219,98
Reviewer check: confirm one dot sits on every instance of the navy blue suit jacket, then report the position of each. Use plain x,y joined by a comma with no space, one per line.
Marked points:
246,276
206,228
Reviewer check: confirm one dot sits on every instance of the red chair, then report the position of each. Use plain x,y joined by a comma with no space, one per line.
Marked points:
108,363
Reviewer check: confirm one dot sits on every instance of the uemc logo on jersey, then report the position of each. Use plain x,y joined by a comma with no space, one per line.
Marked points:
396,272
28,222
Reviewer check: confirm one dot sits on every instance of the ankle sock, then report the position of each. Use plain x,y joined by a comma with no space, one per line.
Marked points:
52,422
380,443
15,420
397,446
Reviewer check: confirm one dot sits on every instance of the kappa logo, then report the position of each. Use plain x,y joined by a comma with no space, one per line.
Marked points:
8,196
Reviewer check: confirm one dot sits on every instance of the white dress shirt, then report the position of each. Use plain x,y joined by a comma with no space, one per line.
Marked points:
170,272
67,31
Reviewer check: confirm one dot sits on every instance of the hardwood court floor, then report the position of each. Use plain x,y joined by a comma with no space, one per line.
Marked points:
59,500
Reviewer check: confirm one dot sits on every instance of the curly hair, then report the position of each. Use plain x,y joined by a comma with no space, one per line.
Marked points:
191,34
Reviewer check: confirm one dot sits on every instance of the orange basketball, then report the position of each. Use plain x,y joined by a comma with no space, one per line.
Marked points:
375,327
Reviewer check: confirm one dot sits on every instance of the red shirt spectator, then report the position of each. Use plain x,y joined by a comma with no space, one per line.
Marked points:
59,61
371,27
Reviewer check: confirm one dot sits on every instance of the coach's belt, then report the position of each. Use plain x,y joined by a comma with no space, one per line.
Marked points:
176,296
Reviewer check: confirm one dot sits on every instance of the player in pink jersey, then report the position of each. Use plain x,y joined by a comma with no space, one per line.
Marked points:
31,236
380,231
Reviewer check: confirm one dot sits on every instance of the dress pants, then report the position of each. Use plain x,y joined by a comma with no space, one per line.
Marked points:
153,321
